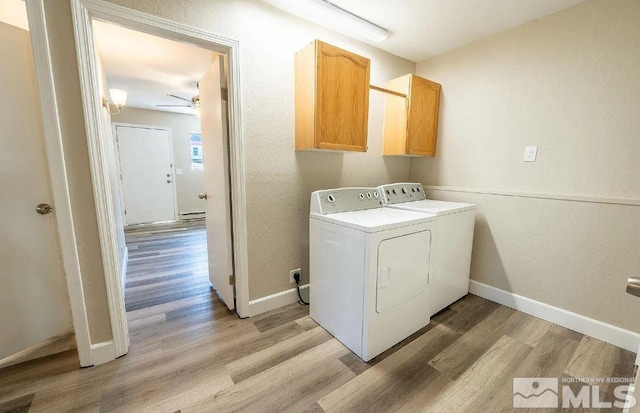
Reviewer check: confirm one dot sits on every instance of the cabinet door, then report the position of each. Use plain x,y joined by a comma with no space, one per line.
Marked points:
342,105
422,122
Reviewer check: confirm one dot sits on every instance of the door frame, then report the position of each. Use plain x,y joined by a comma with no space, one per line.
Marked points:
114,126
58,178
83,11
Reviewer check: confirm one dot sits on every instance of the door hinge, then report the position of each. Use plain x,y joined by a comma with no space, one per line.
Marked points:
232,280
125,212
224,93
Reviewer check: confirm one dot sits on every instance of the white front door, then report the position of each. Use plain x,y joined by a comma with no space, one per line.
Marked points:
146,170
216,183
34,304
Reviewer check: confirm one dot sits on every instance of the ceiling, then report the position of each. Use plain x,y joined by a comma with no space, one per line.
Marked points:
14,12
424,28
148,67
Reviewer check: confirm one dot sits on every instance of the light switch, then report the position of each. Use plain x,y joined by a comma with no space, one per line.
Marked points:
530,153
179,171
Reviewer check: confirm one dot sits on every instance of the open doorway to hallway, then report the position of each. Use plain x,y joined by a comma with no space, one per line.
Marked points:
171,185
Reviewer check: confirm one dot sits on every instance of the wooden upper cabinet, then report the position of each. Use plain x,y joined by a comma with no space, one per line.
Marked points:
411,124
332,98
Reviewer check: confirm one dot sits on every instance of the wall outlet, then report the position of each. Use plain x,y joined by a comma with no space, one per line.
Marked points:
530,153
291,279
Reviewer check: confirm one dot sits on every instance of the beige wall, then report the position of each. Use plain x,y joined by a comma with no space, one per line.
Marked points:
74,140
189,184
279,180
568,83
34,304
106,129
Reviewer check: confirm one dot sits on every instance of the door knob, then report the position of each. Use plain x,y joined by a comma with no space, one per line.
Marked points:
633,286
44,209
202,196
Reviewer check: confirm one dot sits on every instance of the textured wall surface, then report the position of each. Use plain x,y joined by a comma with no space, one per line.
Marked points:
190,184
74,140
568,83
279,180
114,173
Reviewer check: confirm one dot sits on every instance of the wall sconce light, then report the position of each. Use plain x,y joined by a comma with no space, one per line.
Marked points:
118,97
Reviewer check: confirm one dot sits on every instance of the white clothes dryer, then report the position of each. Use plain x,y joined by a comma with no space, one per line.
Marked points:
369,269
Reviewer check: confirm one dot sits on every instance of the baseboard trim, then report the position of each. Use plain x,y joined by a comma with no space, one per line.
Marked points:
53,345
103,352
273,301
597,329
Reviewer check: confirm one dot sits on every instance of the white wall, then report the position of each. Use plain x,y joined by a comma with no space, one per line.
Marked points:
190,183
570,84
34,305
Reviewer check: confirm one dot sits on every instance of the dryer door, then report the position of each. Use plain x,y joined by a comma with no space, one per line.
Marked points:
403,269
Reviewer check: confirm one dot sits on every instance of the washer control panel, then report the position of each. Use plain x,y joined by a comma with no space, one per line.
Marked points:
331,201
401,192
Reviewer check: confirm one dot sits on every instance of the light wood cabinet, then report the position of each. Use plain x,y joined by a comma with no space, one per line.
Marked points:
332,98
411,124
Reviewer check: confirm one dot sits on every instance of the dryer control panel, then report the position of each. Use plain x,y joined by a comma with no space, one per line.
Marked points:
401,192
331,201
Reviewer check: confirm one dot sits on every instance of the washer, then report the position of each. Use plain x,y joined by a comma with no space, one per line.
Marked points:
452,243
369,269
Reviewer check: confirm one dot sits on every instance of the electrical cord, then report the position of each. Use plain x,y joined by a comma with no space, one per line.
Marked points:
296,277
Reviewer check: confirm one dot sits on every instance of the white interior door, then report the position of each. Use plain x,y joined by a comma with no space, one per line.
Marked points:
216,183
34,304
146,170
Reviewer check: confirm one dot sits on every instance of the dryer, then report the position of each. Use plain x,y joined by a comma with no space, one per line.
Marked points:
369,269
452,242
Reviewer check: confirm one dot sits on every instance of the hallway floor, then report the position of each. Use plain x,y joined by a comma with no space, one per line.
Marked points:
189,353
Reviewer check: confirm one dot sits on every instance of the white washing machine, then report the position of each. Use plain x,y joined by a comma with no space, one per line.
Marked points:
369,269
452,244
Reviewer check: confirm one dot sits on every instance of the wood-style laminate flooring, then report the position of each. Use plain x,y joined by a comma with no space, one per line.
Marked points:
189,353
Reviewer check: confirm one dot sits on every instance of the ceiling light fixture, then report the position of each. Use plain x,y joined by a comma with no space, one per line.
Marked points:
334,17
118,97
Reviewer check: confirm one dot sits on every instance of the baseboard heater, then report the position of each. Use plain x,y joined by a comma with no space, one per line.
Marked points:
192,216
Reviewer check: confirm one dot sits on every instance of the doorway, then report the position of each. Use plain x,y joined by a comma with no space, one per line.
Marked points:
166,248
232,286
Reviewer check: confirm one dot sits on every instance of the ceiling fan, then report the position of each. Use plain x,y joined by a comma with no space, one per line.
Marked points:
193,103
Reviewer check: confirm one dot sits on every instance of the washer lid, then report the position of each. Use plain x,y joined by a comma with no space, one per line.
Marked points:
437,208
375,220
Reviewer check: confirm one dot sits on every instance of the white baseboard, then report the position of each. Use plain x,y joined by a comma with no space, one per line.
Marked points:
271,302
593,328
102,352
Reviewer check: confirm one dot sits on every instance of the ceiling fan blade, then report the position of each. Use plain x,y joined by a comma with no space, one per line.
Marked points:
178,97
175,106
